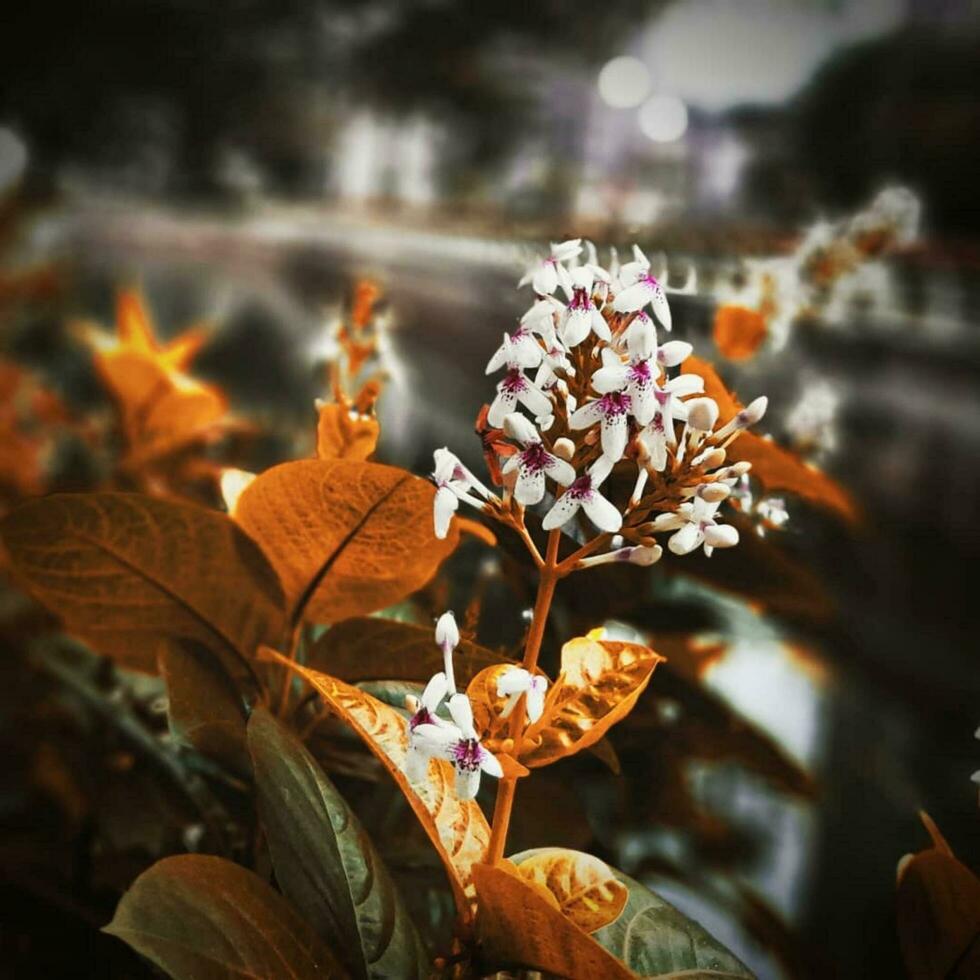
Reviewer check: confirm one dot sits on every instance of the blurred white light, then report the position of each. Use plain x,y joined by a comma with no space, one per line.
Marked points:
357,171
416,156
13,158
624,82
663,118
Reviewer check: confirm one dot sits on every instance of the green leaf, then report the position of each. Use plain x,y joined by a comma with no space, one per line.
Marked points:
367,648
204,918
205,710
656,940
325,861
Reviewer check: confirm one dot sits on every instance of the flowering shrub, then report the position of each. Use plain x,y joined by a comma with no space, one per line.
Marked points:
606,445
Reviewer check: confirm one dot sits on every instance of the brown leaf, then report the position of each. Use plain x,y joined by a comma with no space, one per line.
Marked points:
738,331
773,466
367,648
457,828
518,926
339,435
586,889
346,537
123,570
599,684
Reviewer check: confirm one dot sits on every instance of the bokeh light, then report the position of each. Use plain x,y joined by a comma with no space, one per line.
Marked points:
624,82
663,118
13,158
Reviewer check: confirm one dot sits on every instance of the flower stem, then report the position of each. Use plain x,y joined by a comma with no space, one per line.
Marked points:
549,576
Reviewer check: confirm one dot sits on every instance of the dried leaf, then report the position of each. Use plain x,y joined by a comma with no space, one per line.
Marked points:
586,889
122,570
739,332
457,828
773,466
341,435
325,862
599,684
656,940
519,927
938,909
367,648
205,710
204,918
346,537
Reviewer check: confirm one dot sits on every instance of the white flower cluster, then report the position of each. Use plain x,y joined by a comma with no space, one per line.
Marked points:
456,740
602,393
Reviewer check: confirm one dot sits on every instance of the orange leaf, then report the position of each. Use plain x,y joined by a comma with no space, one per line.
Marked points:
368,648
346,537
341,436
519,926
599,684
133,324
586,889
480,531
123,569
739,332
773,466
457,828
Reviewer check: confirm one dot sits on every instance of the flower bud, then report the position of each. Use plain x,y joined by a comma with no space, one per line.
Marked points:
645,555
518,427
447,633
713,492
564,448
702,413
740,468
752,412
710,459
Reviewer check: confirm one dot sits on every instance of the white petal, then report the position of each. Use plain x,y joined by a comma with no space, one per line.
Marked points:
501,407
445,505
462,713
657,447
600,469
685,540
434,692
518,427
599,326
587,415
565,507
658,300
602,513
514,680
490,764
435,740
642,338
674,352
545,279
498,360
576,326
511,463
632,299
467,783
608,379
536,400
567,249
615,431
534,703
529,489
685,384
642,403
721,536
561,472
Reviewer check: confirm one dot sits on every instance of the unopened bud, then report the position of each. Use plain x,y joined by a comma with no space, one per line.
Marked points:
564,448
752,412
740,468
720,536
702,413
645,555
447,632
710,459
713,492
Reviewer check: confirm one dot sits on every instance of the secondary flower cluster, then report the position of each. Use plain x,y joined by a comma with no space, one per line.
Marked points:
604,392
456,740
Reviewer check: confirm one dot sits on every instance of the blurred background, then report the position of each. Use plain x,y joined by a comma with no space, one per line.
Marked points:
245,162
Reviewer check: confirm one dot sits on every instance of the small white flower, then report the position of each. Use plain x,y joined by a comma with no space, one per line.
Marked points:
545,275
640,289
520,347
694,525
533,463
659,433
582,317
458,743
636,378
553,360
773,511
454,482
612,411
423,713
584,493
515,681
516,387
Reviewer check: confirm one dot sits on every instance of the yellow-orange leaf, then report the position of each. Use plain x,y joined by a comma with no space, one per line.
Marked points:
488,707
457,828
599,684
519,926
341,435
346,537
739,331
122,570
775,468
585,888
